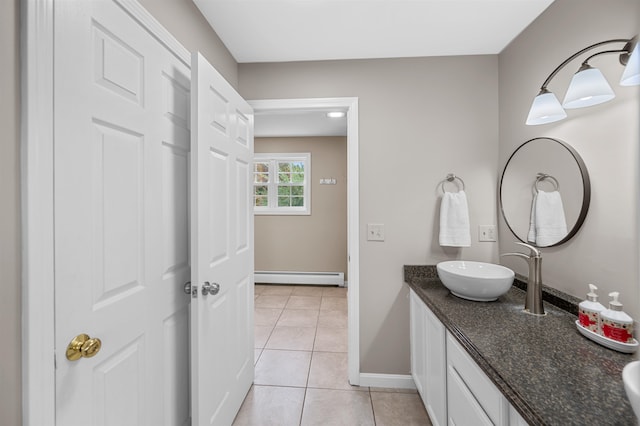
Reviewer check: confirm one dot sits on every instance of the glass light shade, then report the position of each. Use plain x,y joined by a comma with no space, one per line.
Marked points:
631,74
588,87
545,109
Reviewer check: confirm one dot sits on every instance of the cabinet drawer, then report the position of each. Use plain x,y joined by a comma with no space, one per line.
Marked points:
464,409
484,391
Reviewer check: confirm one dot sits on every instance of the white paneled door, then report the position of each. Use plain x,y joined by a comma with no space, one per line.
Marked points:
122,114
221,247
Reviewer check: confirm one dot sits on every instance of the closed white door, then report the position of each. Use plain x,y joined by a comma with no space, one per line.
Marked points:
221,247
121,220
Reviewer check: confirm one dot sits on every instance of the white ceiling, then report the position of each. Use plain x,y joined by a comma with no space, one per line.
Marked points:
313,30
309,30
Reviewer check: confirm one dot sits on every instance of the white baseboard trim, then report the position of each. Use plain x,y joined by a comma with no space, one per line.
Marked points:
290,277
395,381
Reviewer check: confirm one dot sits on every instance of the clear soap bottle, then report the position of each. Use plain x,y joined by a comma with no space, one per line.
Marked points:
616,324
589,311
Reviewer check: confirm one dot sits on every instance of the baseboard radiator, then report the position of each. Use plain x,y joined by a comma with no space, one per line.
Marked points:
291,277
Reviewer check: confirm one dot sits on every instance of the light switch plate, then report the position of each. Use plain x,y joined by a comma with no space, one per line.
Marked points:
375,232
487,233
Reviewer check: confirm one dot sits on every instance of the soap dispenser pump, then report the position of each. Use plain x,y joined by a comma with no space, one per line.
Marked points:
589,311
616,324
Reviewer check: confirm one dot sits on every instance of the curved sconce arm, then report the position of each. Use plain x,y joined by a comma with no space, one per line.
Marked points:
586,49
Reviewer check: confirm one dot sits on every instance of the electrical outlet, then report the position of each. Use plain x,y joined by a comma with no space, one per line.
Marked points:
487,233
375,232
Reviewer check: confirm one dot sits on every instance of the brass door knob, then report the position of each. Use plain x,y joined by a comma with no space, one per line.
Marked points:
83,346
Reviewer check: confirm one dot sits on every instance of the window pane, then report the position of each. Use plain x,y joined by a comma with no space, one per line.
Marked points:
284,202
297,166
297,190
261,202
297,177
261,178
284,167
260,190
261,167
284,191
297,201
284,177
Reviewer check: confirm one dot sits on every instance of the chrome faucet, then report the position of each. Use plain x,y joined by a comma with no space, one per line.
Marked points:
533,302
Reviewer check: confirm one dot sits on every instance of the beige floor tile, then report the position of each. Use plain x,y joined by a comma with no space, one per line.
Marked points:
266,301
299,318
283,368
257,353
277,290
266,316
329,370
333,304
304,302
258,288
333,319
305,290
398,409
331,340
336,407
335,292
292,338
271,406
261,334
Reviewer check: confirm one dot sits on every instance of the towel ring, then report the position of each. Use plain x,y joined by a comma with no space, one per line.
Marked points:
450,178
543,176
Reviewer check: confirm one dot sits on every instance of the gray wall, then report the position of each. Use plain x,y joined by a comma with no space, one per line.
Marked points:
605,251
308,243
184,20
419,120
10,335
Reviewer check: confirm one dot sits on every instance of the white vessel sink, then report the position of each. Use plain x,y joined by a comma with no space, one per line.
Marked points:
631,379
479,281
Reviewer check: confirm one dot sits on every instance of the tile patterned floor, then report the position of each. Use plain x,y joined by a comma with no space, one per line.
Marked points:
301,366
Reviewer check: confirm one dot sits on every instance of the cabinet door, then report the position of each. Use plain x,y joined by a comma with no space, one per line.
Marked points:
418,339
436,369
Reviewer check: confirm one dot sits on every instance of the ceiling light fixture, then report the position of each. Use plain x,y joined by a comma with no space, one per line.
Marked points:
336,114
588,86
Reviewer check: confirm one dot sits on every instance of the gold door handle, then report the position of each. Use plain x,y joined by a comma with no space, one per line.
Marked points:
83,346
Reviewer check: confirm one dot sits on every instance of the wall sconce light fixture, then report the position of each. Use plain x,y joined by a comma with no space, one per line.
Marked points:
588,86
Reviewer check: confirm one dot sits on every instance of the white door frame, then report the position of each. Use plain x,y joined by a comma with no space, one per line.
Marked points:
38,348
350,106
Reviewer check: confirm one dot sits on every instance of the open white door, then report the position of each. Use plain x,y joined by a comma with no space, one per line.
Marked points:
221,247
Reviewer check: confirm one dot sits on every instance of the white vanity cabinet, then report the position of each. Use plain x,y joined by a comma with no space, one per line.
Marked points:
428,359
454,390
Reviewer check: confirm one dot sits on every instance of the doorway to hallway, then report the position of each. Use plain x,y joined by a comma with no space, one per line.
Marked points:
350,107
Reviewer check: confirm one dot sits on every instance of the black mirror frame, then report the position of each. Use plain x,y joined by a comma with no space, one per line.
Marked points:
586,190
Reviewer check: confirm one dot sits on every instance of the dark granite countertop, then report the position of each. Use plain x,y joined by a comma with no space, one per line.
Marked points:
548,371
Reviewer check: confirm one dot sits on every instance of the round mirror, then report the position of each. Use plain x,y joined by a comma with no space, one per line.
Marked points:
544,192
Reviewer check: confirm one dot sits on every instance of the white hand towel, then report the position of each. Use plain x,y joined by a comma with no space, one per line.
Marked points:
551,225
454,220
531,237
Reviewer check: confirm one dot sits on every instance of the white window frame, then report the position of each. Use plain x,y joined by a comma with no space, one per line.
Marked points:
272,208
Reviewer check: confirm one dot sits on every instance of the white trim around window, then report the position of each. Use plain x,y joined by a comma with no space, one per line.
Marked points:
282,183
